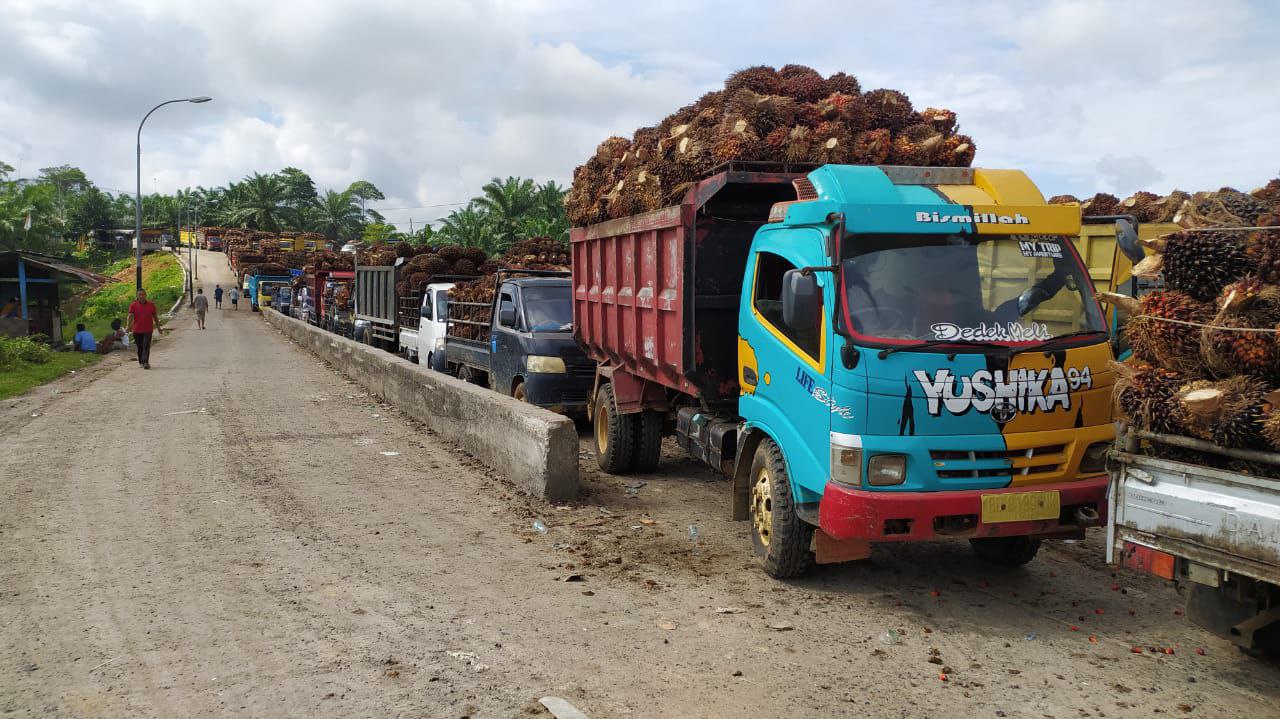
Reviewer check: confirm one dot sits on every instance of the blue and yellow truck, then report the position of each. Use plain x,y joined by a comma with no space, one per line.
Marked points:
873,354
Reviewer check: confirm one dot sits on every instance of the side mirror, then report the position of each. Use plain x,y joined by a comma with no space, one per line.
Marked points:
801,300
1127,241
507,316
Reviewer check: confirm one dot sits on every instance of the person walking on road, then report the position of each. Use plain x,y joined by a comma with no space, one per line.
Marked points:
217,296
234,296
144,320
201,303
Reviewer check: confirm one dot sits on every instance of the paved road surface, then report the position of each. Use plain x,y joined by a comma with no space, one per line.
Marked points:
241,532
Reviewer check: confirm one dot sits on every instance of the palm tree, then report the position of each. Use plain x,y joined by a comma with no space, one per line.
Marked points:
337,215
469,227
261,204
508,202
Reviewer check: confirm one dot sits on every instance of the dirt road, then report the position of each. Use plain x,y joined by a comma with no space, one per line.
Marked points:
241,532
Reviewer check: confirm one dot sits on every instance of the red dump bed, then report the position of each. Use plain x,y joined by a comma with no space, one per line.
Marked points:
655,295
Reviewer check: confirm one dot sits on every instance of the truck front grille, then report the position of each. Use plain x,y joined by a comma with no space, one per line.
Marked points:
958,463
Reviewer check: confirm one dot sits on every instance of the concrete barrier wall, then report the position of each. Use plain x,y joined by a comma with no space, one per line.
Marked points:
533,447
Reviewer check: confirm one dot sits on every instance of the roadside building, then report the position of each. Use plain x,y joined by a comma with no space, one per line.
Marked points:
35,281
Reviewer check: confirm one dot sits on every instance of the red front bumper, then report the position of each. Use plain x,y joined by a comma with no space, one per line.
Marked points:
879,516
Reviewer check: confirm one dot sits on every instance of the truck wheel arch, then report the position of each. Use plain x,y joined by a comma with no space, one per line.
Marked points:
749,439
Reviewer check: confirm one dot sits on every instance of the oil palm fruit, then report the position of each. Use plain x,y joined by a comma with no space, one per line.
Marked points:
1201,263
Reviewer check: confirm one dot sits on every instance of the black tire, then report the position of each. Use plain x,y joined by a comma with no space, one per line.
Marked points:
1006,551
614,434
518,392
648,441
467,374
781,539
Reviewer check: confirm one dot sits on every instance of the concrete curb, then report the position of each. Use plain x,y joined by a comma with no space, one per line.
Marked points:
535,448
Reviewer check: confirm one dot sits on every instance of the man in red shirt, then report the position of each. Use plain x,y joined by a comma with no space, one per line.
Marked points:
142,322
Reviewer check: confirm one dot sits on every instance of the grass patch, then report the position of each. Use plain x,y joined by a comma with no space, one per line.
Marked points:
161,276
21,375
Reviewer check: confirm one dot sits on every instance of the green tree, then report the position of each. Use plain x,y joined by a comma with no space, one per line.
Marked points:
261,204
67,181
299,188
469,227
507,203
91,209
337,216
378,233
364,191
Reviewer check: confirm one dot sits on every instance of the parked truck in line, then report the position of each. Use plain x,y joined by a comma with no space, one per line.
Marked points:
318,300
259,288
377,305
423,324
521,343
873,354
1212,529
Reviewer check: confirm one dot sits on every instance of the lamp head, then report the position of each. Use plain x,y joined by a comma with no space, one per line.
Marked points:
199,99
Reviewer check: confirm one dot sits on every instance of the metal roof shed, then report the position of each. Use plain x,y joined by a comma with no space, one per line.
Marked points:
34,280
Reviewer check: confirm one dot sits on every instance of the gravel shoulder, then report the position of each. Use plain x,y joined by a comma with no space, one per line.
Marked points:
240,531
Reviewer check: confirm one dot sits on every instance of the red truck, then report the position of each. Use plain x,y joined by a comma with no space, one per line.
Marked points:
318,304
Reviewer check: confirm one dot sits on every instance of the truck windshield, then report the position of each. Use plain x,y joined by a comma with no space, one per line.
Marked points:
967,288
548,308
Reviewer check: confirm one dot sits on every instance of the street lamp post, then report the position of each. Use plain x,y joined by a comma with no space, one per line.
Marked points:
137,198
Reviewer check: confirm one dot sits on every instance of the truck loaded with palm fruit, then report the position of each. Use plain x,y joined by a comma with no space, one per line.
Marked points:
512,330
1195,496
813,291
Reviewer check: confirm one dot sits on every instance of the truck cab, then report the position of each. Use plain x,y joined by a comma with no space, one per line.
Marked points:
922,357
521,344
423,339
259,289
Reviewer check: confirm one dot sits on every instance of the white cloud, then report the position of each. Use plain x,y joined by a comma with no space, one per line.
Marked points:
429,100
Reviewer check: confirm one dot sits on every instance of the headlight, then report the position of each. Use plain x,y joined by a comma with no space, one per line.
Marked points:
1094,460
885,470
539,364
846,465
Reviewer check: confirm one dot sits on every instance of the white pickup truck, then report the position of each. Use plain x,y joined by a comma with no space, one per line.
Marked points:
422,326
1204,524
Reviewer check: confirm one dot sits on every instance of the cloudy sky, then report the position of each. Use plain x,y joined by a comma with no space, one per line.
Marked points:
429,99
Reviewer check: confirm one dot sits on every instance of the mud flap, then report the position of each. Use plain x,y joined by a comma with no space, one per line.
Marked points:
827,550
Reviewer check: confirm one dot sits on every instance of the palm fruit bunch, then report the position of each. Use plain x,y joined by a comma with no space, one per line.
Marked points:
1064,200
532,253
1268,193
1244,412
1263,251
1230,413
1242,337
1144,394
1227,207
791,116
1171,345
1101,204
1201,263
956,151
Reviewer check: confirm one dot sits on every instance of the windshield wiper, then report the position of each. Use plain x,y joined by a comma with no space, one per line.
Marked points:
934,343
1055,340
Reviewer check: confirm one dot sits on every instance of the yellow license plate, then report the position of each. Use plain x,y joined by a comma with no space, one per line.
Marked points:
1020,506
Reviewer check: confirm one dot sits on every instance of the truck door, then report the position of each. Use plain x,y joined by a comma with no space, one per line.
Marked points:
792,395
506,357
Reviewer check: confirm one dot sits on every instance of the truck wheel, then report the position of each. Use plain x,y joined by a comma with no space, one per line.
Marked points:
648,441
518,392
780,537
469,375
1006,551
615,434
